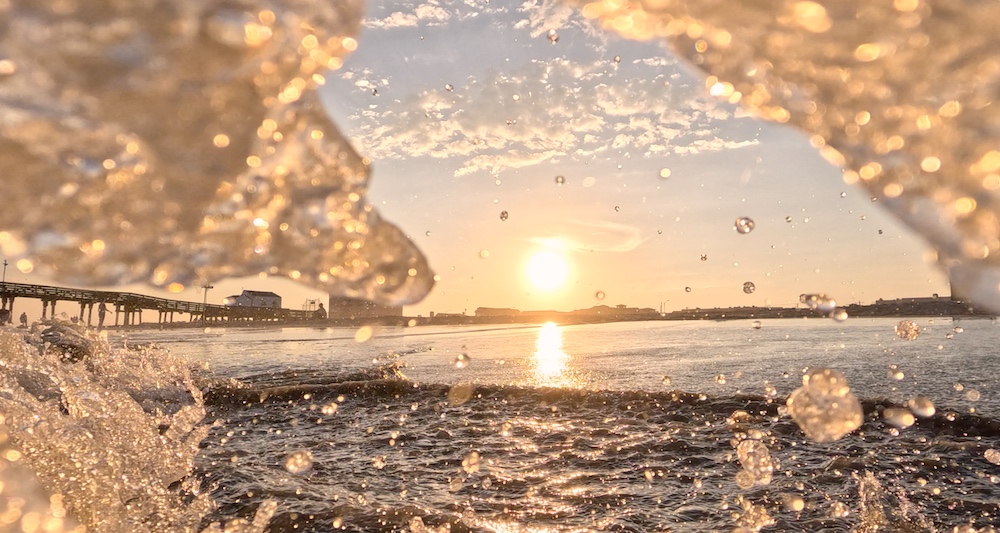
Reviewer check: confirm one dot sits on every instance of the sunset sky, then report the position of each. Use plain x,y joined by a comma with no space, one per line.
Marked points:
470,109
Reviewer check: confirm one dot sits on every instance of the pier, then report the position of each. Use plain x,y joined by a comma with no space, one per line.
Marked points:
128,306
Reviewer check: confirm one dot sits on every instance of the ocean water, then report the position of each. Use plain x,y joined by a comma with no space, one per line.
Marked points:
643,426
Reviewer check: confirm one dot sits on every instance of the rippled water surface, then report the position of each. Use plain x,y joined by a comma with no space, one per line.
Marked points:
615,427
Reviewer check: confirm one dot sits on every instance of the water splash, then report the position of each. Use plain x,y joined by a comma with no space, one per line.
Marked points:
824,406
252,177
877,95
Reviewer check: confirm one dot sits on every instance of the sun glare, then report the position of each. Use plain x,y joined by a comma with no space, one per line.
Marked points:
547,270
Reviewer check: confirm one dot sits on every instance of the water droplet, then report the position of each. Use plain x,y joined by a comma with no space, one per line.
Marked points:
756,460
793,503
553,36
959,329
427,233
378,462
560,180
374,92
449,87
824,407
484,254
843,195
618,59
503,215
664,173
749,287
972,395
666,381
992,455
895,373
744,225
330,409
907,330
363,334
756,324
958,387
460,393
788,219
704,257
770,390
720,379
687,289
617,208
506,429
839,510
898,416
299,462
839,315
471,463
516,97
921,406
818,302
599,295
461,361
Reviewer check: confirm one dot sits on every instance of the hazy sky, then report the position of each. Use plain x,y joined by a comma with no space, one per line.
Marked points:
469,109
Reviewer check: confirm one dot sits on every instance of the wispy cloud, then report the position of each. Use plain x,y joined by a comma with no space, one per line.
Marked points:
594,236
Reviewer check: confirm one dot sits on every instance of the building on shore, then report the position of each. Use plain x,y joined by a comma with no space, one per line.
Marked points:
254,299
350,308
497,311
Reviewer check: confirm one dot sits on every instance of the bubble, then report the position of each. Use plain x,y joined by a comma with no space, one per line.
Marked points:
666,381
599,295
461,361
756,324
560,180
299,462
664,173
503,215
553,36
460,393
470,464
921,406
898,416
449,87
972,395
839,315
687,289
744,225
824,407
330,409
907,330
992,455
704,257
749,287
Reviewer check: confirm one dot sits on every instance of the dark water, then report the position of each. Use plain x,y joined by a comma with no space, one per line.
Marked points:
416,444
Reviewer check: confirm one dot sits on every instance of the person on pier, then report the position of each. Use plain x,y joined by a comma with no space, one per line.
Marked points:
320,313
24,320
102,311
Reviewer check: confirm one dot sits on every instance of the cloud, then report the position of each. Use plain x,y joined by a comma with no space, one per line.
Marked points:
431,13
595,236
545,111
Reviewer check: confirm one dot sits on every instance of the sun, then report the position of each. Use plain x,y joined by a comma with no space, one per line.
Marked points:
547,270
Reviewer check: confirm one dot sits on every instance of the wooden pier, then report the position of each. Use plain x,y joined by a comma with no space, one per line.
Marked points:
128,306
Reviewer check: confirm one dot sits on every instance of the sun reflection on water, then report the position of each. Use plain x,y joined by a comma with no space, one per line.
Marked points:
550,359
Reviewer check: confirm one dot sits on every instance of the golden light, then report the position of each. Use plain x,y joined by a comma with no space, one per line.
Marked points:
550,359
547,270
